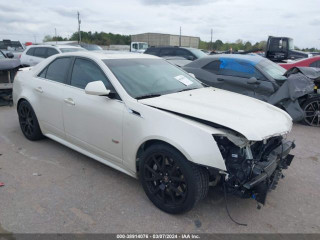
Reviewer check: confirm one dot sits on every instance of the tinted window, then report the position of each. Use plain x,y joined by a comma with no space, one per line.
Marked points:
51,51
85,71
58,70
152,51
315,64
184,53
214,66
166,52
43,73
30,52
40,52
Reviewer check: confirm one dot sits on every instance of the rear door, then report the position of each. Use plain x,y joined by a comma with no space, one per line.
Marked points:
92,122
49,87
39,54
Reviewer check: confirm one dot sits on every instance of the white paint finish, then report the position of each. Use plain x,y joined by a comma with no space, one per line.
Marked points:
252,118
96,88
93,127
109,131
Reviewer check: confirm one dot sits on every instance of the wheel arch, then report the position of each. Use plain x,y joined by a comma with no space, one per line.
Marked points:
150,142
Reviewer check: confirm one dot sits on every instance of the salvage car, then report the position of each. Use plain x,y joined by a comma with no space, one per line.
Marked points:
184,52
8,69
151,120
306,62
260,78
37,53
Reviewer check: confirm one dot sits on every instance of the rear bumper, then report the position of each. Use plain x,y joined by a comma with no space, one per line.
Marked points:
268,173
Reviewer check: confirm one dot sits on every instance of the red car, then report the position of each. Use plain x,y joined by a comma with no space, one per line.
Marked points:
306,62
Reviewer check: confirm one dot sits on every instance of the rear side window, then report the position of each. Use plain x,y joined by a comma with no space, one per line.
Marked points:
51,51
166,52
40,52
85,71
184,53
30,52
57,70
214,66
315,64
152,51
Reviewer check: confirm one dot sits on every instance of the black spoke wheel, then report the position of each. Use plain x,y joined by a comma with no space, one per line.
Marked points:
311,109
171,182
29,122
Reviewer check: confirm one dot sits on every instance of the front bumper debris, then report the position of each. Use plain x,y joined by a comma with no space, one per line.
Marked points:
268,173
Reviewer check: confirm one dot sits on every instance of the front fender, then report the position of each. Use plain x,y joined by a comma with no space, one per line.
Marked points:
194,140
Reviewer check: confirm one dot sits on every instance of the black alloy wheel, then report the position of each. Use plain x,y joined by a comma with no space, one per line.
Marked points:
165,179
311,109
29,122
170,181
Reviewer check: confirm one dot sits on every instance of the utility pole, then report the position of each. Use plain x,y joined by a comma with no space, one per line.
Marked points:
211,40
55,34
180,38
79,32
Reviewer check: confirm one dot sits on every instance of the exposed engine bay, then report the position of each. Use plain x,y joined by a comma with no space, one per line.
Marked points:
254,169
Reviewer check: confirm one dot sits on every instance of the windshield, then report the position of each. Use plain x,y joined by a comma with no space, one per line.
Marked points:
64,50
291,45
2,55
143,46
7,44
272,69
198,53
143,77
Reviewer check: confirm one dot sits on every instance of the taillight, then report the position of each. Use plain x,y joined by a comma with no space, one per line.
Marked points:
19,56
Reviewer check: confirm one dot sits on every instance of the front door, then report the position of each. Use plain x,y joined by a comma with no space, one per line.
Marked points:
92,122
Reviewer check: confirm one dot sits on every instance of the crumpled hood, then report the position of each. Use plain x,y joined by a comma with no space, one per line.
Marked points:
254,119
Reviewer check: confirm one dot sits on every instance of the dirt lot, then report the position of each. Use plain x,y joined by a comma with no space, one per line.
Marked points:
50,188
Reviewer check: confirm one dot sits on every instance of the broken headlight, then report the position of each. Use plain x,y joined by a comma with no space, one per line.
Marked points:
237,159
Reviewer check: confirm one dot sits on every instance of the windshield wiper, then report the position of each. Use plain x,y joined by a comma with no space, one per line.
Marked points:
187,89
148,96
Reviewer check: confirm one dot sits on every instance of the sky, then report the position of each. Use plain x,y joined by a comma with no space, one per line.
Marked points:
249,20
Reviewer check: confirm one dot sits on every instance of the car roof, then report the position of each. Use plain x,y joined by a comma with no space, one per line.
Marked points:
53,45
105,55
171,47
249,58
252,58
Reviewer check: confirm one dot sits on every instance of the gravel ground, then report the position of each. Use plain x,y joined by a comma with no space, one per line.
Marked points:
50,188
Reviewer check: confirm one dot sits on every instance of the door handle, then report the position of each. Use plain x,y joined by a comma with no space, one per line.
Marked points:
39,89
69,101
220,79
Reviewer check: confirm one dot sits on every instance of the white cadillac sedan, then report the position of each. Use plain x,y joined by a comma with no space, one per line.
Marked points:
153,121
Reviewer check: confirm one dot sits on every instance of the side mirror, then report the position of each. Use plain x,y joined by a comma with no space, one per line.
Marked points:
252,80
191,58
96,88
10,55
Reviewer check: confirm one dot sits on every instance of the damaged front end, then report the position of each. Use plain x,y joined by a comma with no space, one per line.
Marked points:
254,168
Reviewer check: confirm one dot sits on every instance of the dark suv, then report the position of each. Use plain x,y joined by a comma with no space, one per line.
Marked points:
187,53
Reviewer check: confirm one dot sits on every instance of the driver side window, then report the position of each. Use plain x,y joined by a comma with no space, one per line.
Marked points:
85,71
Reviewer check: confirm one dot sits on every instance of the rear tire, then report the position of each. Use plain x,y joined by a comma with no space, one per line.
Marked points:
28,122
311,108
171,182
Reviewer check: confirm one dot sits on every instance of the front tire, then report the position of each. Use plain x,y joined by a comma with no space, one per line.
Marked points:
28,122
170,181
311,108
